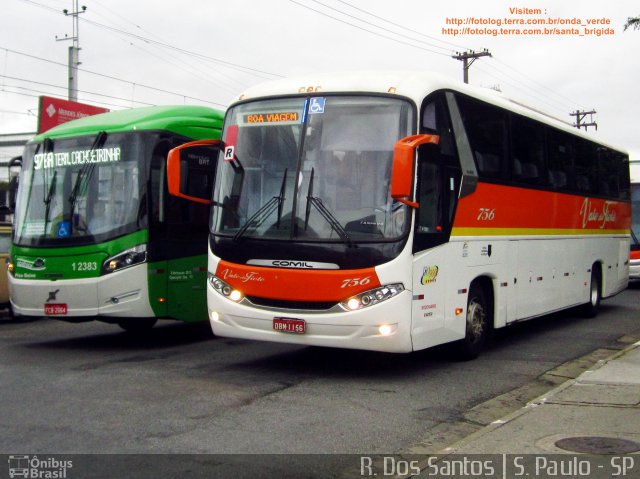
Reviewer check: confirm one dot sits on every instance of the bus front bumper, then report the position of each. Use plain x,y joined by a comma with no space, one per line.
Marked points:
359,329
119,294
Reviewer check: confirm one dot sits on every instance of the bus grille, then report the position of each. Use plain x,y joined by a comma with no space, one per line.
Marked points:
285,304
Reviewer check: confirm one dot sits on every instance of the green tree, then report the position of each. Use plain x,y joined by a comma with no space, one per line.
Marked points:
632,22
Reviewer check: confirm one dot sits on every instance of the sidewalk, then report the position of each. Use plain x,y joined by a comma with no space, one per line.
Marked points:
596,413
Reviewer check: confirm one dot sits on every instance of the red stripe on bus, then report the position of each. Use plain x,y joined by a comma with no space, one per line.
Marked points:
297,284
498,206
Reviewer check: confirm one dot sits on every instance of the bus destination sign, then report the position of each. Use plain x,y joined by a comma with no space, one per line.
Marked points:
275,117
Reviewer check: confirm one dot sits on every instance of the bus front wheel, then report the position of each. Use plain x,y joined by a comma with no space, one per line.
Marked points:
137,325
476,324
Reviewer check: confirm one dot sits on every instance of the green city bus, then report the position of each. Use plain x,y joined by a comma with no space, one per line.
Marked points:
97,236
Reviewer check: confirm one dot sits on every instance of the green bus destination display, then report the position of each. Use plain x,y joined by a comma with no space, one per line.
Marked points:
74,158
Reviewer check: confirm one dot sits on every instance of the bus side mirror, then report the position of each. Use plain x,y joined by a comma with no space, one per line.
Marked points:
404,153
191,170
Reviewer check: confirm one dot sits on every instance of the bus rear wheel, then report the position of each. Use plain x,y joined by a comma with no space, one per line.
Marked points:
590,309
476,325
137,325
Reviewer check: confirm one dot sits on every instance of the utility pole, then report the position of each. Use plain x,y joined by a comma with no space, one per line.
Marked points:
580,115
74,49
468,58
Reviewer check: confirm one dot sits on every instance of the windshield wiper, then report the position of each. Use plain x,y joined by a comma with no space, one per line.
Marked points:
265,211
48,198
332,220
634,237
49,188
83,177
326,214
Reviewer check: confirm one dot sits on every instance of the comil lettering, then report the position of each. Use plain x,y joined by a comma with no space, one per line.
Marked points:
292,264
76,158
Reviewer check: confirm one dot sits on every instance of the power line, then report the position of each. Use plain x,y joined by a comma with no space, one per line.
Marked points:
402,26
366,30
112,77
377,26
62,88
528,78
519,86
11,112
235,66
459,55
195,70
38,93
231,65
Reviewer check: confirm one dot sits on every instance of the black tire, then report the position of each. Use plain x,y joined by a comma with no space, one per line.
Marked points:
477,324
591,308
137,325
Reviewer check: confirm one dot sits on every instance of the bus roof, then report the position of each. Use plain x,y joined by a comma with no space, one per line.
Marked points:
413,84
191,121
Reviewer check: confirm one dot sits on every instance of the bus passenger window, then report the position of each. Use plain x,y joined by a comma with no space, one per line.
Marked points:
528,150
560,159
586,166
486,128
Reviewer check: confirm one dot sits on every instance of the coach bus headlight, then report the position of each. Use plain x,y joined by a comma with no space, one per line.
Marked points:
371,297
130,257
224,289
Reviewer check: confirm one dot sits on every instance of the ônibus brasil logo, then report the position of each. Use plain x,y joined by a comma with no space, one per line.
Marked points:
40,468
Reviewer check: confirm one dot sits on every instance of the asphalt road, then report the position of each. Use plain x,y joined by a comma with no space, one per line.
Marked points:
91,388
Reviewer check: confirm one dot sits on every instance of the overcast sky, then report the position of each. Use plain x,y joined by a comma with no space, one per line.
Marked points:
141,52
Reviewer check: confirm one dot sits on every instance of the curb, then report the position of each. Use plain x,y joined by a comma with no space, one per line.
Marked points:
453,448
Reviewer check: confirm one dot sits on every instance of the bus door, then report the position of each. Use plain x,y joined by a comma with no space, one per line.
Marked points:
437,190
187,226
179,229
433,269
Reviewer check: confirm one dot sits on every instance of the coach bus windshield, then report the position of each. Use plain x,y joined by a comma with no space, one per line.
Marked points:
80,190
311,169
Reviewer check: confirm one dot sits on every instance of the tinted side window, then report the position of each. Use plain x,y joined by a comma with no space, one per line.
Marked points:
560,148
486,128
586,167
435,120
528,151
613,176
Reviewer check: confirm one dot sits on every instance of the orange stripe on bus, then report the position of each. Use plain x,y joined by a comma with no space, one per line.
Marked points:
297,284
511,209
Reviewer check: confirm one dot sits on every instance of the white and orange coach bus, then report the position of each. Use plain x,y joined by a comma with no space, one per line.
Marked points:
395,211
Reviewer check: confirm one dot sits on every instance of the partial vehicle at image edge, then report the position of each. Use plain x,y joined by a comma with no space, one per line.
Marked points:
97,236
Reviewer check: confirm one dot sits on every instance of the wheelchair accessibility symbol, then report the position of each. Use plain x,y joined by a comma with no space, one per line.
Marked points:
317,105
64,229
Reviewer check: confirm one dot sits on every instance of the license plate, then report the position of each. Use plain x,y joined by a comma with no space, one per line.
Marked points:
55,309
289,325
